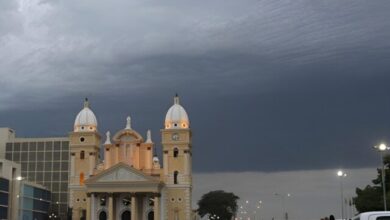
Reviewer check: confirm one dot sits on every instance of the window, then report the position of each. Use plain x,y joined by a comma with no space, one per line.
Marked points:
383,218
82,139
175,174
4,199
81,178
82,155
175,152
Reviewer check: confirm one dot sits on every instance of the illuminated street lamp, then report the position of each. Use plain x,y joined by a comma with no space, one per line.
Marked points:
382,148
283,197
341,175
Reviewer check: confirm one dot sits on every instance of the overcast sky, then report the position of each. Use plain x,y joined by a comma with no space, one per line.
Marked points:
272,87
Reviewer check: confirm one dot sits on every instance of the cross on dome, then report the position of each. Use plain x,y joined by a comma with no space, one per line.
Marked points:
86,103
176,99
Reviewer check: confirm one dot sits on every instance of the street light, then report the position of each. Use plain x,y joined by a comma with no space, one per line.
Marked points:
284,210
341,175
382,148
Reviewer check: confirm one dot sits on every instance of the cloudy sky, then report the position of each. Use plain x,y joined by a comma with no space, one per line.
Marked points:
269,86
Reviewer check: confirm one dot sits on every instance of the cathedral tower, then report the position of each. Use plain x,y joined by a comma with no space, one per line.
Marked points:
84,151
177,160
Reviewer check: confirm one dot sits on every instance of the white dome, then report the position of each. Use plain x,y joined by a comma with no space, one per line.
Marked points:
86,119
176,116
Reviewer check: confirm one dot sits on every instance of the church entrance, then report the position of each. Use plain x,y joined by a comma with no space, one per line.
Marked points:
126,215
151,215
103,215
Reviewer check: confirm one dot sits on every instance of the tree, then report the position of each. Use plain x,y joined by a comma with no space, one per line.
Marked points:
371,197
218,203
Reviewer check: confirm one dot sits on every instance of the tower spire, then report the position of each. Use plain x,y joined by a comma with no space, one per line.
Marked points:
176,99
86,103
149,137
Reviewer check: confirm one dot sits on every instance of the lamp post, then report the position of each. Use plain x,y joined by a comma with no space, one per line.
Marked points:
382,148
341,175
284,210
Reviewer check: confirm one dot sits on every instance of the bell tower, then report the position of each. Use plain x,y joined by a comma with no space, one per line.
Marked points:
84,152
177,163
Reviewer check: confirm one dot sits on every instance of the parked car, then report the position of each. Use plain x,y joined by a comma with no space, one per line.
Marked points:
373,216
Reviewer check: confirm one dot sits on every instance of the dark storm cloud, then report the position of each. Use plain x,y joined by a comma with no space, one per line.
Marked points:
268,85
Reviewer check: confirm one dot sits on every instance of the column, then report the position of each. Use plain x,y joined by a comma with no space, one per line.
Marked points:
93,206
165,162
134,207
186,167
107,157
72,165
110,207
156,208
116,159
88,207
92,163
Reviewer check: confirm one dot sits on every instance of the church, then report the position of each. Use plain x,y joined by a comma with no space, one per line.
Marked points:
130,183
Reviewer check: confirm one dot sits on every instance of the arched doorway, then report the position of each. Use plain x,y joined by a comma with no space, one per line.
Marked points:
126,215
103,215
151,215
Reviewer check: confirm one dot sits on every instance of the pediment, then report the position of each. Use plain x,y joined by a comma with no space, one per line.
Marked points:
127,135
121,173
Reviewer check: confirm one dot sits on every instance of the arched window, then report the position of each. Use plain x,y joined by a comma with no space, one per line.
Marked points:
103,215
82,155
81,178
151,215
175,152
126,215
175,174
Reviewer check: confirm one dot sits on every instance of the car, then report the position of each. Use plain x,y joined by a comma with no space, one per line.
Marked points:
380,215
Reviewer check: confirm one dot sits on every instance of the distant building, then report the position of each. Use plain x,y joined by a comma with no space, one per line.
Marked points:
34,202
44,161
9,189
130,183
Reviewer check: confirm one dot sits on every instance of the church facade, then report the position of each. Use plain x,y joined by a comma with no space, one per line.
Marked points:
130,183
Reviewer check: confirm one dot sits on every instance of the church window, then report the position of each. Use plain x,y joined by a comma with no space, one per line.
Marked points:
126,215
175,174
179,199
82,139
175,152
81,178
82,155
172,199
151,215
103,215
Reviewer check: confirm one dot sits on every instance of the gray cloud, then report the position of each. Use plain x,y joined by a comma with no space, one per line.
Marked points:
260,79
